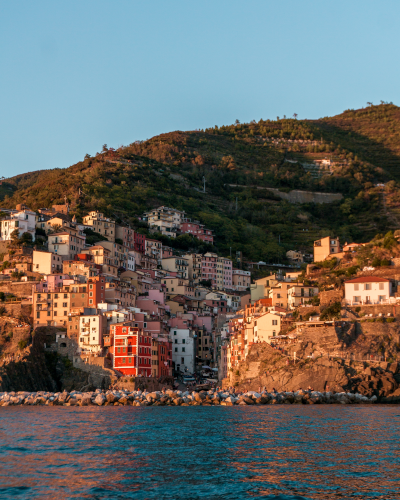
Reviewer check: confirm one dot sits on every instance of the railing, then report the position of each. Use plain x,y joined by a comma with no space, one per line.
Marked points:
391,300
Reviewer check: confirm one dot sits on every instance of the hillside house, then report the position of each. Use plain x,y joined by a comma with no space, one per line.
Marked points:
369,290
326,247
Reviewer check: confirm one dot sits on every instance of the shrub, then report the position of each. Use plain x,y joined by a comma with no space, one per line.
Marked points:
22,344
390,320
237,372
131,379
358,309
2,310
371,320
331,312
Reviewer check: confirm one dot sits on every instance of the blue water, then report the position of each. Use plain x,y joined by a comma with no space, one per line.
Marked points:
273,452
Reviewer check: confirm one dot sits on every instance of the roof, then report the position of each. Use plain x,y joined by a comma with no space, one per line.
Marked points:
368,279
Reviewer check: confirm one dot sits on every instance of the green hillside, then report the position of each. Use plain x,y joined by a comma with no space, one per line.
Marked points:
236,161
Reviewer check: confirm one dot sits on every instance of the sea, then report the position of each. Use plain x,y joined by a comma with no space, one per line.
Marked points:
216,452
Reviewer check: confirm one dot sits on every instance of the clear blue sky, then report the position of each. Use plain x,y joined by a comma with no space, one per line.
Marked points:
78,74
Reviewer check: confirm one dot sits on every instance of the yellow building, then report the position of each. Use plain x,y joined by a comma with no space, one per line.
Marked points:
326,247
100,224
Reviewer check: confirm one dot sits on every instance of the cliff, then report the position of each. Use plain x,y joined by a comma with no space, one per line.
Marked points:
27,365
342,358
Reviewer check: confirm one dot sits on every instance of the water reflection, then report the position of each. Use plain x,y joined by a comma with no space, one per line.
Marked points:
316,452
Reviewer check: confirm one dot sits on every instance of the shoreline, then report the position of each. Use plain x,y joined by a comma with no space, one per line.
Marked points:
178,398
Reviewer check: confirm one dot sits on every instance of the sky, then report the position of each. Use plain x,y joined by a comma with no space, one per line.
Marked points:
79,74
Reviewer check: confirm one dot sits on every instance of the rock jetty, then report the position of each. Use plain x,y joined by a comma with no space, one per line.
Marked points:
179,398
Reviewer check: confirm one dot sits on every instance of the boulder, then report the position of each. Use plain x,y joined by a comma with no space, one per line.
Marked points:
100,399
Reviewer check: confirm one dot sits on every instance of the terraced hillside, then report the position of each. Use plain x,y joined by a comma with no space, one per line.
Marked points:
234,161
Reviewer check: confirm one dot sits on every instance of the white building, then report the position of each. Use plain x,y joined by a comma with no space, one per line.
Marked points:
24,221
368,290
131,261
91,329
183,349
167,220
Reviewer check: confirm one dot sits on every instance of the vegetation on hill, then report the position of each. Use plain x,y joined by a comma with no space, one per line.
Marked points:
234,161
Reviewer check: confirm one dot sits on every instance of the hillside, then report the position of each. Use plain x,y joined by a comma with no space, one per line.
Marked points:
236,161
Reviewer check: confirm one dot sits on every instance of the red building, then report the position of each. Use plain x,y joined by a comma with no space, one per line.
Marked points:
97,292
132,350
140,242
164,358
198,230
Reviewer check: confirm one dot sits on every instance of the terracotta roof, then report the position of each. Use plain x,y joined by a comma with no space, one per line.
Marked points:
368,279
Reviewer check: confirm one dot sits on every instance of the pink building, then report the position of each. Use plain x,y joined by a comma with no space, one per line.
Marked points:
198,230
209,267
53,281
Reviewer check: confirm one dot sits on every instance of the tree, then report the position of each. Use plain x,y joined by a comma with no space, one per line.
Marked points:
295,115
26,239
15,237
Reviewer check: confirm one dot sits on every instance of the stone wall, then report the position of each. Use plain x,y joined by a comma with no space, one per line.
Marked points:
149,383
18,288
297,196
330,297
375,310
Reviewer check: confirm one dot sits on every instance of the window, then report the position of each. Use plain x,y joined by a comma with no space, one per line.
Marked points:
65,296
94,338
275,322
65,304
176,349
183,341
176,341
367,286
356,299
38,314
123,360
381,286
356,287
174,332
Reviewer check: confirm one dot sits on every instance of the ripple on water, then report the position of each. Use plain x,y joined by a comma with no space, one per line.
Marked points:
274,452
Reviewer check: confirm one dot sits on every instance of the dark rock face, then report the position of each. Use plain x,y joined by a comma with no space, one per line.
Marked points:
32,369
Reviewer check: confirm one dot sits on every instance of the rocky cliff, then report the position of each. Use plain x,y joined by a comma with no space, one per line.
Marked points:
26,365
332,358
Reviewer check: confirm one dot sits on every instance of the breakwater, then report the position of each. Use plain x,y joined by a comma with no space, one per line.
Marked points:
179,398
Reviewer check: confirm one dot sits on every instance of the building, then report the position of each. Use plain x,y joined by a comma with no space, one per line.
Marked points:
209,268
126,235
196,229
92,327
101,256
166,220
118,253
153,249
183,349
65,245
140,242
369,290
46,262
224,273
100,224
177,265
97,290
295,257
326,247
298,294
22,220
132,350
80,268
241,280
